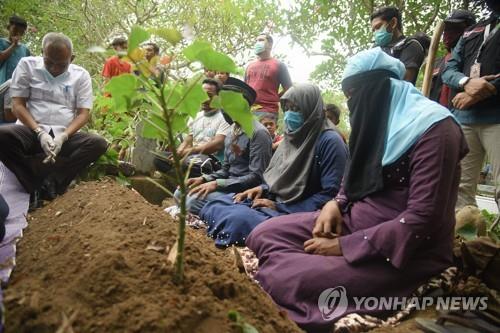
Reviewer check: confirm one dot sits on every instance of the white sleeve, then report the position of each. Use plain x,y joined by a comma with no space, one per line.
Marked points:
224,128
84,97
21,78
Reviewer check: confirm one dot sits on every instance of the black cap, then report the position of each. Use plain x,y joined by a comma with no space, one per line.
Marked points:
461,16
234,84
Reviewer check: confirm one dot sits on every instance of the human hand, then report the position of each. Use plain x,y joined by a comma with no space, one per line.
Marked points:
204,189
47,144
194,182
183,152
59,140
323,246
480,87
463,101
264,203
491,77
251,194
15,40
329,222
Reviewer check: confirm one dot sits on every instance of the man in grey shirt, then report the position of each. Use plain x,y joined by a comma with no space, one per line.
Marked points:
245,160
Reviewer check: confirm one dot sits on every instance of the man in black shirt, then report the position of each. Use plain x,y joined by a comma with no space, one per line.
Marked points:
388,32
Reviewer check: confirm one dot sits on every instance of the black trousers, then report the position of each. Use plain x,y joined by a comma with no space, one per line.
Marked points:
22,153
4,212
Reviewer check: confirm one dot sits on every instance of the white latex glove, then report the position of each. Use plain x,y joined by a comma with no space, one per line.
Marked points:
59,140
47,144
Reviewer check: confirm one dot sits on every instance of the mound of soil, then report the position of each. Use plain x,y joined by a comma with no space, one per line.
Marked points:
95,260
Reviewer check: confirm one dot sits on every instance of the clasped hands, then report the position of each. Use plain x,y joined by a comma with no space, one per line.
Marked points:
255,195
326,232
51,146
475,91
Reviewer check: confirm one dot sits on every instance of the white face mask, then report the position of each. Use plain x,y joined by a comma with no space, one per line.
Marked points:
51,79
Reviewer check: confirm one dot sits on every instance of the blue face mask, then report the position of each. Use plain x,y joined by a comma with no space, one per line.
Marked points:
51,79
293,120
259,47
382,36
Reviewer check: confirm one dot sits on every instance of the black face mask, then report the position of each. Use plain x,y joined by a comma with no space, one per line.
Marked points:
227,118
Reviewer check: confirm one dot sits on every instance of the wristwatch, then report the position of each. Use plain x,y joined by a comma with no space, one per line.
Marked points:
463,81
38,130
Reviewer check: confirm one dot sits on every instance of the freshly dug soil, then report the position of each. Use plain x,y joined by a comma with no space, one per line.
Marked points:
95,260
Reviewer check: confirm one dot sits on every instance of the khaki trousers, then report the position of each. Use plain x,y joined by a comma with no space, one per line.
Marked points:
483,140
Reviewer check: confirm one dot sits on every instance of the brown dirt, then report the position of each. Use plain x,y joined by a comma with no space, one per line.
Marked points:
84,261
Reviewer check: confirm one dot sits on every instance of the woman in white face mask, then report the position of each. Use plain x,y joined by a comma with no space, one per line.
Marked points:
304,173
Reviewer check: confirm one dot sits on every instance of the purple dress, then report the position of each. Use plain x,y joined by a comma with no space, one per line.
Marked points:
393,240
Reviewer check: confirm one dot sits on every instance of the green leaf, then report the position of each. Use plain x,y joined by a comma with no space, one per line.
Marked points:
247,328
154,127
186,98
122,85
216,103
236,106
233,315
468,231
170,35
122,180
179,123
123,89
216,61
137,36
194,95
192,51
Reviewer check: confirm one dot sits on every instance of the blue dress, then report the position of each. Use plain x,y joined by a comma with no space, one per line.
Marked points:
229,223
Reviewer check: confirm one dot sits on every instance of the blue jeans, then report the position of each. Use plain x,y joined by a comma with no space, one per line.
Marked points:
194,204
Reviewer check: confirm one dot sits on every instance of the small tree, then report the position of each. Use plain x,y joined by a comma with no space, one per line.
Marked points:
173,97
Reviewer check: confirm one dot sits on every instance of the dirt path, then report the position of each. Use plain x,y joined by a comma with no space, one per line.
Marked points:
94,260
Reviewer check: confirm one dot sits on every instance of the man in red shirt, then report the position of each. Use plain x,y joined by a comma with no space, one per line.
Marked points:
265,75
117,65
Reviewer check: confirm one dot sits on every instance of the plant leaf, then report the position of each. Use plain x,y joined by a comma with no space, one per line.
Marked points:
236,106
122,85
216,61
154,127
247,328
216,103
192,51
170,35
137,36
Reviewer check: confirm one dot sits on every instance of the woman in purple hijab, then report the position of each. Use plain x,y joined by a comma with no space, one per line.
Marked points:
391,226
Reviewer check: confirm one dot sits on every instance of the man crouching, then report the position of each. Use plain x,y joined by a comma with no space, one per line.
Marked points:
51,98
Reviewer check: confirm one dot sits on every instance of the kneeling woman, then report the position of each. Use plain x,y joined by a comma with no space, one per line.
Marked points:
304,173
391,226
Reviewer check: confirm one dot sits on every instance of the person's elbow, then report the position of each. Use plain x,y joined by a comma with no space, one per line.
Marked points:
84,115
18,106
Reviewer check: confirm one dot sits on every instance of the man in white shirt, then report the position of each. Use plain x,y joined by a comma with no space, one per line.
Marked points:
207,133
51,99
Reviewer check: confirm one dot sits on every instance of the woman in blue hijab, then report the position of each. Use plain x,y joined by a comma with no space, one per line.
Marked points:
391,226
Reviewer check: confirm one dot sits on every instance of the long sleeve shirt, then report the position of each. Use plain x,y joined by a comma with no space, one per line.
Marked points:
455,71
414,215
245,160
326,175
